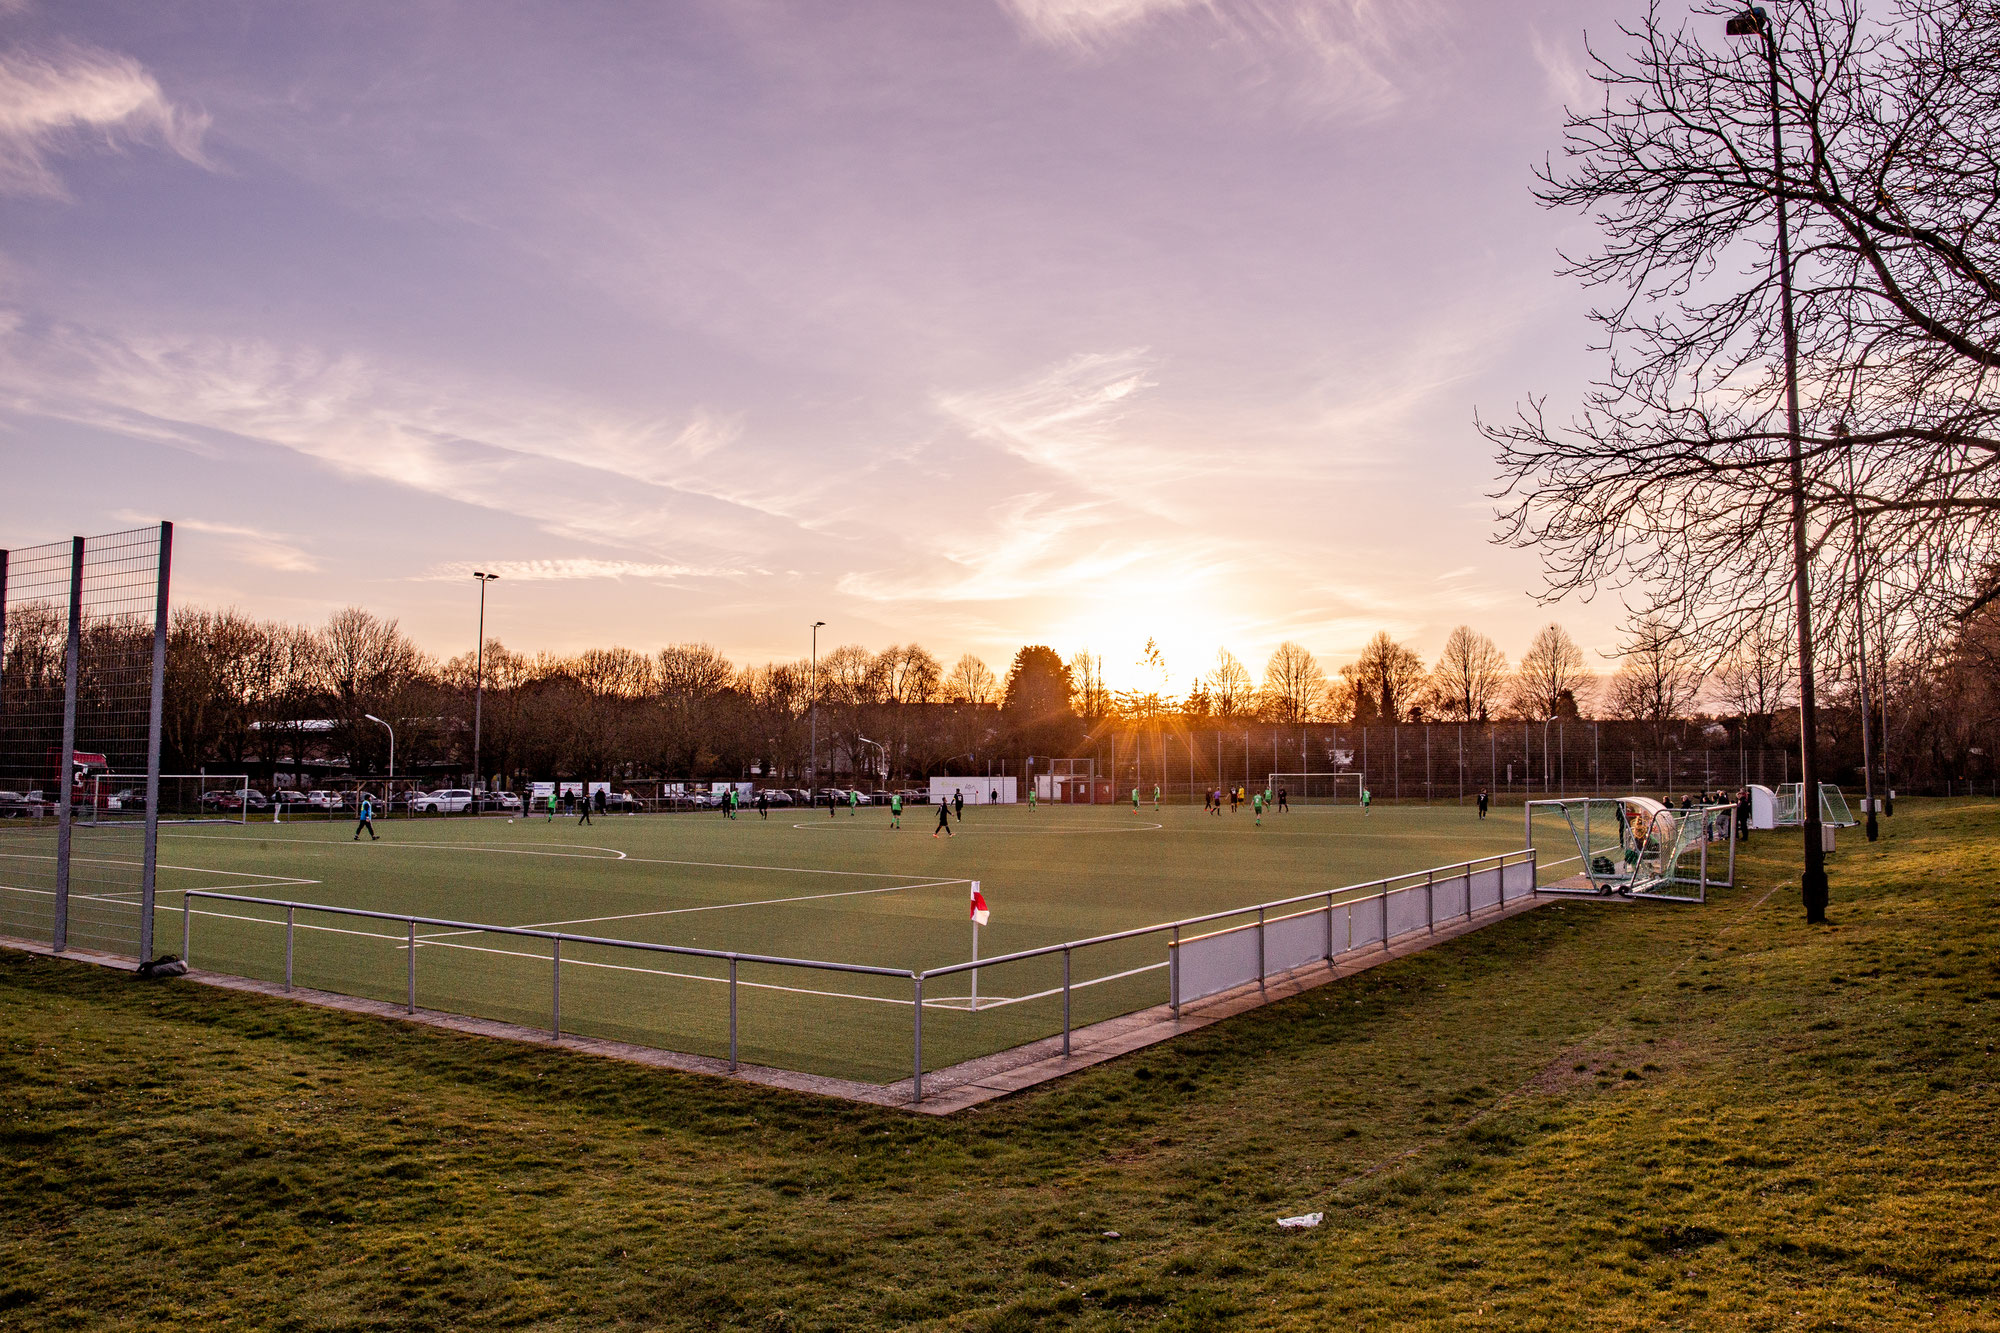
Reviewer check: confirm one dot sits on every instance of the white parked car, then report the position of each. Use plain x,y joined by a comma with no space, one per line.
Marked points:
323,800
501,800
450,801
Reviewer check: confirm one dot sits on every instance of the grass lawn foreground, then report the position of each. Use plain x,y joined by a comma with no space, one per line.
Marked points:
1590,1116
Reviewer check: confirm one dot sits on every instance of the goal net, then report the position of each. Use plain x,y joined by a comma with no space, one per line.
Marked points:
1316,788
185,798
1632,845
1833,807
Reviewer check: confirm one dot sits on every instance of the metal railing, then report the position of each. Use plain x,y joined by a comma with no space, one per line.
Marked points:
1349,896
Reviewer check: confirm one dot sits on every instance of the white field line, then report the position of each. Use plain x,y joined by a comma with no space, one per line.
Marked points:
198,870
1066,829
965,1002
616,855
708,907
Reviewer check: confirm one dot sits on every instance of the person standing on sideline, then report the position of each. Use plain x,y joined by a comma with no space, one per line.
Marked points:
944,820
958,803
1483,799
1284,806
896,810
367,819
598,798
583,811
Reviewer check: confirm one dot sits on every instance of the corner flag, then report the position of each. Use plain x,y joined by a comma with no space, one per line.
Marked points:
979,912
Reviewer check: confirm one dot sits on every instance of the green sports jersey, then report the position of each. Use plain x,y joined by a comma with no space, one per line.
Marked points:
895,805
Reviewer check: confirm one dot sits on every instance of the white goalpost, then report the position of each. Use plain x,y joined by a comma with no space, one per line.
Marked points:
1316,788
185,798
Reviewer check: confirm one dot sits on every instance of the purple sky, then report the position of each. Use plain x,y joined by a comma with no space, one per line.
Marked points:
972,323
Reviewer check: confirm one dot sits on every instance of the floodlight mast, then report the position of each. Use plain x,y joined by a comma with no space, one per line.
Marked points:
812,756
1755,22
479,681
392,750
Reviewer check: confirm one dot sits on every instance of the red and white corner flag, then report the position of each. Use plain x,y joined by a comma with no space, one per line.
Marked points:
979,912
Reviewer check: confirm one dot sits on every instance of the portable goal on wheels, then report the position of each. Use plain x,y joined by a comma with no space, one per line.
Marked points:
1791,805
1316,788
1635,846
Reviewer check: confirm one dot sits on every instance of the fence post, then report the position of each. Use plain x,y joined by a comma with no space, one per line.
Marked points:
917,1041
187,925
1065,1001
1430,901
1466,869
157,688
291,916
555,991
1329,925
411,1006
1174,972
732,1015
1260,947
65,794
1383,898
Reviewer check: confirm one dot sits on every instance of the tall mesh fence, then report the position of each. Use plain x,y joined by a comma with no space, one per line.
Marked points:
81,655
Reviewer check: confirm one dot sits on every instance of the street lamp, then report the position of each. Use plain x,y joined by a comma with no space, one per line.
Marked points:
812,757
1755,22
479,682
885,755
392,753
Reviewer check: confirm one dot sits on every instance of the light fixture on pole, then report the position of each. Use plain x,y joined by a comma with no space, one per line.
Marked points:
479,681
1755,22
392,751
812,756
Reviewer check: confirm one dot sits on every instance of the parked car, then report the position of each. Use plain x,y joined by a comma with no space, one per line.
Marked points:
776,796
256,800
291,798
501,800
620,802
221,800
24,805
323,800
449,801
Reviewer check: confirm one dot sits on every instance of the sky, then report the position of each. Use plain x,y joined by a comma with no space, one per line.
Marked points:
972,323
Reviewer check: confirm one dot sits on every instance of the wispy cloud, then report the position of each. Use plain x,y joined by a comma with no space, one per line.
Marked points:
574,568
58,98
1562,66
1065,417
1322,58
250,546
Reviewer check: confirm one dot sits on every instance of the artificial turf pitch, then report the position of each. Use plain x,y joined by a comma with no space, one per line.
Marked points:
797,885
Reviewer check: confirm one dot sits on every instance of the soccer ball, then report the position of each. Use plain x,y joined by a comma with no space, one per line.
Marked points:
510,821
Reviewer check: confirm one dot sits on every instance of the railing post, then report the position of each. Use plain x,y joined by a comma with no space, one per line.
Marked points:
732,1015
1065,1001
1260,947
291,916
1329,926
917,1042
187,926
1174,972
555,991
411,1006
1383,898
1430,901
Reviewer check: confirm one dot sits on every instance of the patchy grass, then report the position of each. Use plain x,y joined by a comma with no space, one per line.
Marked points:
1614,1116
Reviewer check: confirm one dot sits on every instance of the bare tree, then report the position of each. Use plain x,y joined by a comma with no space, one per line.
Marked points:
1092,696
1231,692
1470,675
1756,680
1386,680
973,681
1673,478
1294,686
1551,678
1658,678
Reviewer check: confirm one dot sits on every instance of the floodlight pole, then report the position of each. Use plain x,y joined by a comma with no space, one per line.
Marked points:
392,753
479,682
812,756
1754,22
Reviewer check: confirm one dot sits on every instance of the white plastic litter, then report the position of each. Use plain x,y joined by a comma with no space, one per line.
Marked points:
1301,1222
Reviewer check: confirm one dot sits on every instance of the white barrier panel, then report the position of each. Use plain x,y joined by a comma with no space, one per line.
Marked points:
1408,911
1517,880
1368,918
1485,888
1211,964
1294,941
1450,897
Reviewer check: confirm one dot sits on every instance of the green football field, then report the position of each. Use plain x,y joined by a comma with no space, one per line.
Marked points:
800,885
